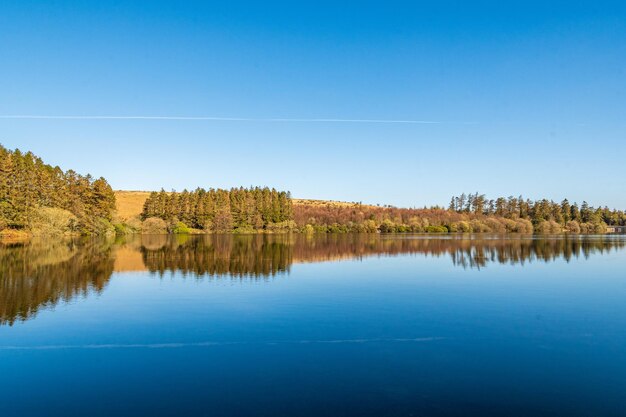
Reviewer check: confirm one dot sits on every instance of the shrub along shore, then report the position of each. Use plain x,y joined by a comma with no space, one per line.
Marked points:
39,199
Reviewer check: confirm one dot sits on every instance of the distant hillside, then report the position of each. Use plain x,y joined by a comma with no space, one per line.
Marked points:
472,213
130,203
327,203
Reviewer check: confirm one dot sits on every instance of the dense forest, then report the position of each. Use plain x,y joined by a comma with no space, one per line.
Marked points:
237,209
38,197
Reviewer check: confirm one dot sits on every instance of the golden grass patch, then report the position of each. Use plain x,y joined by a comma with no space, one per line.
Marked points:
129,204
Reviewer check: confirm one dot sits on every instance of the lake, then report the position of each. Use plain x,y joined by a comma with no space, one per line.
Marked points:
328,325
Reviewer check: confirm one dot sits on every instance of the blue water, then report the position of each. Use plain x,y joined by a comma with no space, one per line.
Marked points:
382,333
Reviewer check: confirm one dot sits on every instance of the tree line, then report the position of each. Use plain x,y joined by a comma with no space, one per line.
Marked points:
467,213
545,215
218,210
40,198
34,194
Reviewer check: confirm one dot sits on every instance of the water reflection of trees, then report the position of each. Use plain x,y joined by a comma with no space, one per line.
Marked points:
464,251
266,255
41,274
521,251
218,255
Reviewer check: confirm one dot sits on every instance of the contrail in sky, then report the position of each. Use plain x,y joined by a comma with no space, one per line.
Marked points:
227,119
248,119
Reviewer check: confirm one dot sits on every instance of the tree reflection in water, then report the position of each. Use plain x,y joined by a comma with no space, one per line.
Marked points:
41,273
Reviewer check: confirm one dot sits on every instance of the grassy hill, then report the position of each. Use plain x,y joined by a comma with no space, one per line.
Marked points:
129,204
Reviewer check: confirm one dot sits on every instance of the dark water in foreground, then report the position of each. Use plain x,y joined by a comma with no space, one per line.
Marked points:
319,326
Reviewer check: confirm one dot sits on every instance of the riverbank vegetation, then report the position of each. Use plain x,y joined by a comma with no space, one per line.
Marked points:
468,213
372,219
39,199
546,216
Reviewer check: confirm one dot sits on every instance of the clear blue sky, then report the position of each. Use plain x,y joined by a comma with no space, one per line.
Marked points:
529,98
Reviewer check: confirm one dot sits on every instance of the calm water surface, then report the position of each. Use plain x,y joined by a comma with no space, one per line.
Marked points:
314,326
